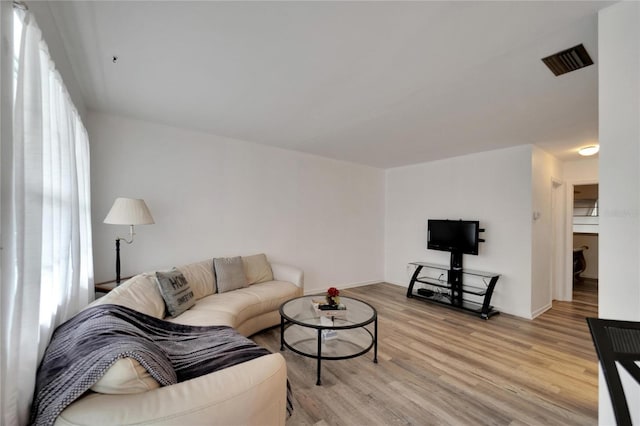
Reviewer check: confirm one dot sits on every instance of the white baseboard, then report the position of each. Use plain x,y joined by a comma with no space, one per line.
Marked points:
342,286
399,284
360,284
406,285
540,311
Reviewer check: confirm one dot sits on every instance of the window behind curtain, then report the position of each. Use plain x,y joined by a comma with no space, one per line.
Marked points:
17,34
47,237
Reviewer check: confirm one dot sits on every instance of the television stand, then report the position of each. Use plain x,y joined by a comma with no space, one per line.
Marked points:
464,289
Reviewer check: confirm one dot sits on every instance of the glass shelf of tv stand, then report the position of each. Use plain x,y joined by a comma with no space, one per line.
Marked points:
465,271
453,294
445,299
443,284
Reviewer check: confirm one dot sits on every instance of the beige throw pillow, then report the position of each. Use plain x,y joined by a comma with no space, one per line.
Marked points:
176,291
140,293
200,277
229,274
257,269
125,376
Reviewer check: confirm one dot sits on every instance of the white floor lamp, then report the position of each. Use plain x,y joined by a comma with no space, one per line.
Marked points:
127,211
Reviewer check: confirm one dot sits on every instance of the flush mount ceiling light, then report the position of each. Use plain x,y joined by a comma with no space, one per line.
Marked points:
589,150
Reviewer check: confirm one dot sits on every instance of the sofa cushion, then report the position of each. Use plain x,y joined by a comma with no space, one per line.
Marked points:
140,293
229,273
125,376
200,316
176,291
271,294
235,307
200,277
257,269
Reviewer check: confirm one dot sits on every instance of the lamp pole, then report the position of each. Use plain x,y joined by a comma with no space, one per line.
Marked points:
117,261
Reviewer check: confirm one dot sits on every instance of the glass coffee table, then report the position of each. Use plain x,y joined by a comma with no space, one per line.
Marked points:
321,336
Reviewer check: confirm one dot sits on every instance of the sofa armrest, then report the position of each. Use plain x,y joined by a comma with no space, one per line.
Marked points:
289,273
250,393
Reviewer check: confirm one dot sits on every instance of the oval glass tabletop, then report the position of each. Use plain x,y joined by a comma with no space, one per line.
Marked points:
302,311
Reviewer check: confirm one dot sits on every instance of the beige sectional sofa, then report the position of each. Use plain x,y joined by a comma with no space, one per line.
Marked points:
250,393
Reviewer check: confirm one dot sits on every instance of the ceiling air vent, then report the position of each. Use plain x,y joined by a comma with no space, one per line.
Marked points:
568,60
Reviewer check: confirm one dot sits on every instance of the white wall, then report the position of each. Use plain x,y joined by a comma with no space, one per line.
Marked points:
493,187
545,169
619,124
581,171
212,196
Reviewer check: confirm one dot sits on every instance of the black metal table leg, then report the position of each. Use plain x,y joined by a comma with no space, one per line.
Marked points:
319,382
281,333
375,341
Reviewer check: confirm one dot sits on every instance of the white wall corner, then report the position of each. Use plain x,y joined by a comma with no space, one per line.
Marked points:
545,262
541,310
619,135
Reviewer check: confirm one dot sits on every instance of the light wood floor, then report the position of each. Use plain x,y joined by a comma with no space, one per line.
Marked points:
441,366
586,291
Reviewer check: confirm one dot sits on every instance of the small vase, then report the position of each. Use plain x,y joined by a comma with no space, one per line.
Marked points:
333,300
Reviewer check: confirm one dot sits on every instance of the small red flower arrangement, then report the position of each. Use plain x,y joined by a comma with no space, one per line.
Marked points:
333,296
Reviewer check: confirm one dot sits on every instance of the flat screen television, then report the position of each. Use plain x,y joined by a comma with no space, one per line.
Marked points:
455,236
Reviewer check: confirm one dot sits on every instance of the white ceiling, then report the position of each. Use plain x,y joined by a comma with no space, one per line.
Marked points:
378,83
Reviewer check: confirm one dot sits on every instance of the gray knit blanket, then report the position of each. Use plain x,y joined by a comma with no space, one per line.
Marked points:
82,350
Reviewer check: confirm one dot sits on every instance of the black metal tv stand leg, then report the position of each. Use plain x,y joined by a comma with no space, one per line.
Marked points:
486,304
414,277
455,280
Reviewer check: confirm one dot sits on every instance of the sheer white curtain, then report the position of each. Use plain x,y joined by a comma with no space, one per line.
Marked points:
47,266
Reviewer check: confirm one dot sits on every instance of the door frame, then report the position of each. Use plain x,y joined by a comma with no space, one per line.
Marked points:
558,238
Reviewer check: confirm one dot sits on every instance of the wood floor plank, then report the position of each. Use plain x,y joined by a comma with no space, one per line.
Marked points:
586,291
438,366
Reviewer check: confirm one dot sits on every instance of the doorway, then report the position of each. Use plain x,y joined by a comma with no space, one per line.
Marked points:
585,219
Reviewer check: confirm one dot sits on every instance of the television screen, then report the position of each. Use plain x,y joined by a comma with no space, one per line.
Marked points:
459,236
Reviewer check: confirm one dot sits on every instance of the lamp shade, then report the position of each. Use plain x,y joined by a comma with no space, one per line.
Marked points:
129,211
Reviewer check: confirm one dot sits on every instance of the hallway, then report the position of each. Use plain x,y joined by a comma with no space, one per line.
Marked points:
586,291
